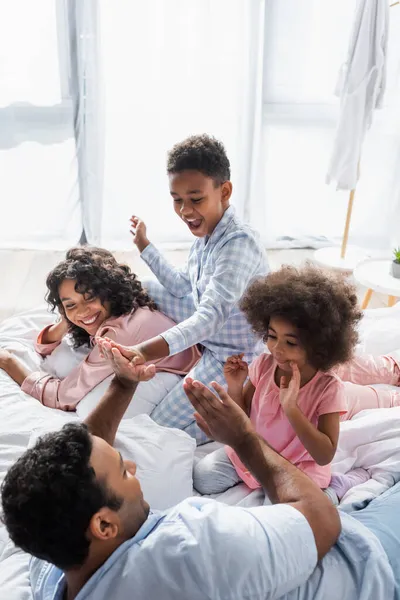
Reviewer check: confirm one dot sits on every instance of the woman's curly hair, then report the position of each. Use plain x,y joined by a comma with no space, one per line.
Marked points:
98,273
323,307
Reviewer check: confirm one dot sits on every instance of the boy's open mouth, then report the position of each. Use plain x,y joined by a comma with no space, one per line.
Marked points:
194,224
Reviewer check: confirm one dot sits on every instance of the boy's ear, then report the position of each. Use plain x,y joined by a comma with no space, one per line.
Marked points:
226,191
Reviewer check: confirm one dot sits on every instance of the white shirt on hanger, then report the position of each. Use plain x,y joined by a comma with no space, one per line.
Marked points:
361,87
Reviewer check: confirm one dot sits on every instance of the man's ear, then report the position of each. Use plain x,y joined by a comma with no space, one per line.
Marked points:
226,192
104,525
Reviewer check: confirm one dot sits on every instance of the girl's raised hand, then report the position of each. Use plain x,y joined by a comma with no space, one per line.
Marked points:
236,370
139,233
289,390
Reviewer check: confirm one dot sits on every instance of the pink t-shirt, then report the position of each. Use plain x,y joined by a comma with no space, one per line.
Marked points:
128,330
323,394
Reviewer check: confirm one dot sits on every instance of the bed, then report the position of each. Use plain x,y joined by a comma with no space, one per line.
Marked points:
369,440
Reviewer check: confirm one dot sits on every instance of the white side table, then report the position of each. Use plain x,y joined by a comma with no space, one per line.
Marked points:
376,276
330,257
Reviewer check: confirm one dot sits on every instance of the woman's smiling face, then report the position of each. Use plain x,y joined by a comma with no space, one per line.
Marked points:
83,310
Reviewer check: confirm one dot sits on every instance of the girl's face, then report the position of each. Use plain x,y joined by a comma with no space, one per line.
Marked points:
284,344
82,310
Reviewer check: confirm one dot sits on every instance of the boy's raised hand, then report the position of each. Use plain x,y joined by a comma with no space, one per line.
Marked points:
236,371
139,233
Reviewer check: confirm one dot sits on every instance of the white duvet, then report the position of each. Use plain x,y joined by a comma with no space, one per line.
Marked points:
370,440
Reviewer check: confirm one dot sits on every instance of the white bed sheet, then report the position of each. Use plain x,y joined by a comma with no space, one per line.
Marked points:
369,440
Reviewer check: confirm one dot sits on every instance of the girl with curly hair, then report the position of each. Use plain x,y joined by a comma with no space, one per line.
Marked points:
295,395
95,296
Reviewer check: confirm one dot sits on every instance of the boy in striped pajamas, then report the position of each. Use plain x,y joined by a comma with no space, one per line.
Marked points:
202,298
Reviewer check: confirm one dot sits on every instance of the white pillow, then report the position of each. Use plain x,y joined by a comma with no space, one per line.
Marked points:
380,331
64,358
147,396
164,458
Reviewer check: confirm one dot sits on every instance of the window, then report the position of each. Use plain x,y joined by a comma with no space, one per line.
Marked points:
38,175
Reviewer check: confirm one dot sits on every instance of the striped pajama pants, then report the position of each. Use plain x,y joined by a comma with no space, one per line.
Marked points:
175,409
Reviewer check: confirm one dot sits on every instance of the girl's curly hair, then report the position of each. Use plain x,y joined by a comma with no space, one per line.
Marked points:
323,307
96,272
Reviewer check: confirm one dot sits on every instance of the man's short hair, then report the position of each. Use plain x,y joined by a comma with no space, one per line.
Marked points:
50,495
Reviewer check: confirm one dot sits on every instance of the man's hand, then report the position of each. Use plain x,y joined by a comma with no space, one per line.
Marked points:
139,233
219,417
132,369
289,390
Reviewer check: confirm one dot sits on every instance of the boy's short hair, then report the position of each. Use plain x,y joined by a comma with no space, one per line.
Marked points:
201,153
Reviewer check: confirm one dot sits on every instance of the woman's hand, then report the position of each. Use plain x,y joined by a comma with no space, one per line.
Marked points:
63,324
289,390
236,371
5,358
139,233
56,332
131,367
11,365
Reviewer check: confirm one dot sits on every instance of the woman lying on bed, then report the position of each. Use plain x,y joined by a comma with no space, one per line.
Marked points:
95,295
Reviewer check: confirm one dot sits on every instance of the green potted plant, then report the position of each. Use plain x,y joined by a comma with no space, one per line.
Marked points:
396,263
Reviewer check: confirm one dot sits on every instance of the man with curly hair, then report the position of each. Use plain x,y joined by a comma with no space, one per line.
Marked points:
202,298
77,507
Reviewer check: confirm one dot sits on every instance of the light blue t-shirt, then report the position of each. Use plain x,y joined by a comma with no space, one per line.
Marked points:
202,550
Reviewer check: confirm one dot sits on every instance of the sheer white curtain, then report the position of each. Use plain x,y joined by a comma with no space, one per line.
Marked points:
258,74
87,96
38,179
306,43
172,69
